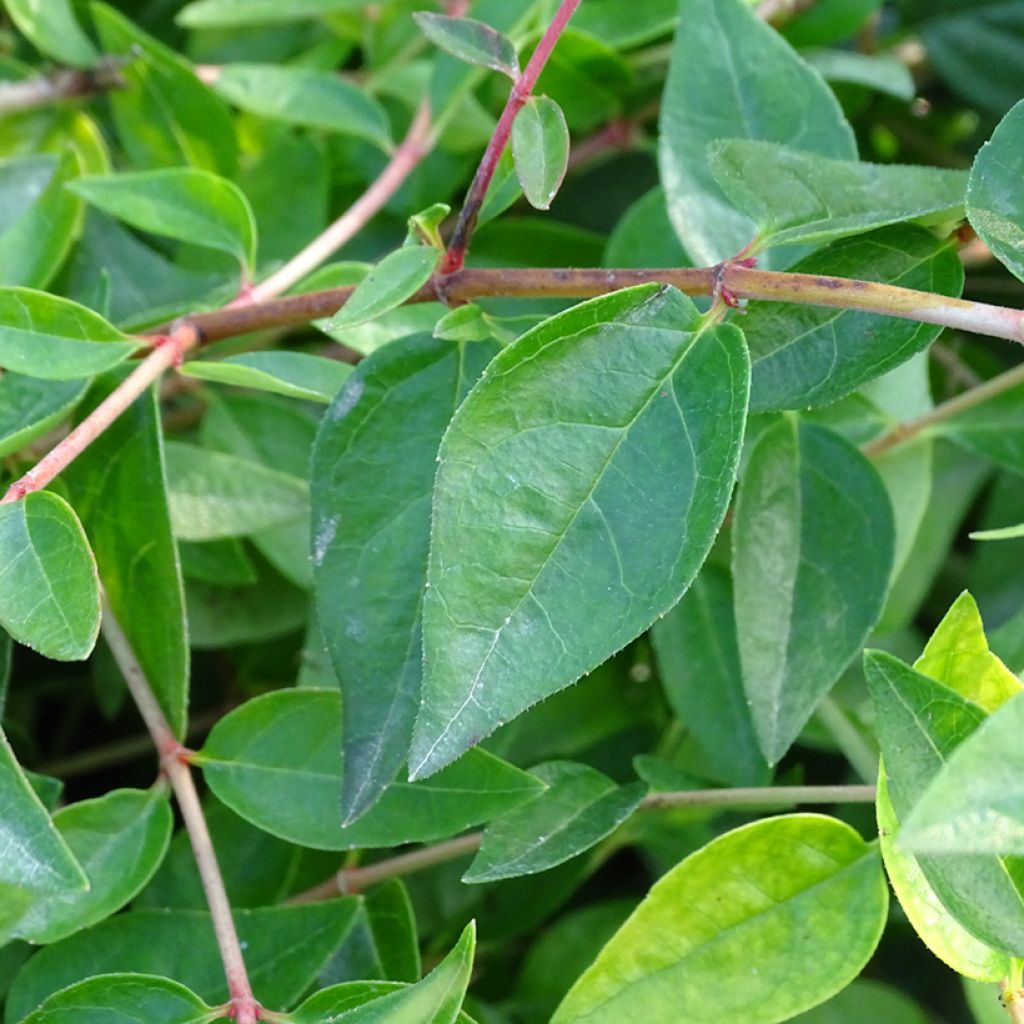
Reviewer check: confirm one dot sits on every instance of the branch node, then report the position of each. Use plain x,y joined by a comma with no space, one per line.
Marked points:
719,290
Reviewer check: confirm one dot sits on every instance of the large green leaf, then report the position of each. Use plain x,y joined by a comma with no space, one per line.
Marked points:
811,355
731,76
721,935
30,406
120,488
49,591
372,480
810,198
185,203
813,546
920,724
54,30
44,336
594,459
305,96
234,13
276,761
577,810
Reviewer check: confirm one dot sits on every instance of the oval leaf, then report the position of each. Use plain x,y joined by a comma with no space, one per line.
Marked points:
813,544
53,30
470,40
596,456
540,145
49,590
718,937
292,374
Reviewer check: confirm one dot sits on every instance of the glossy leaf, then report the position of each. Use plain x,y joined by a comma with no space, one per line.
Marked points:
813,544
53,29
811,355
434,1000
810,198
46,336
276,761
212,495
29,406
540,145
761,90
49,591
372,480
621,411
234,13
388,284
120,489
579,808
472,41
119,840
920,724
123,999
304,96
781,887
292,374
182,202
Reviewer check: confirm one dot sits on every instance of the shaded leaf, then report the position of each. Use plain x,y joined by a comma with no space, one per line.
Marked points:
864,1000
540,146
232,13
472,41
994,428
53,30
29,406
292,374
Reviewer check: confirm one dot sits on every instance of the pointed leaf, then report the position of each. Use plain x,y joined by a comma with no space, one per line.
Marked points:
123,999
388,284
718,937
810,198
540,145
470,40
45,336
53,30
276,761
595,458
579,808
372,480
292,374
182,202
234,13
30,406
49,591
813,543
731,76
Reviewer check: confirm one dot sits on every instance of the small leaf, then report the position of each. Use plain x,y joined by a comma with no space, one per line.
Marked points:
292,374
810,198
276,761
238,13
720,935
1003,533
44,336
540,145
579,808
182,202
299,95
813,544
53,30
882,72
436,999
390,283
464,323
29,406
471,41
393,923
995,195
49,591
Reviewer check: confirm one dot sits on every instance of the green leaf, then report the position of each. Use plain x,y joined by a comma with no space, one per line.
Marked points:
292,374
1003,533
120,489
30,406
920,723
370,537
276,761
388,284
699,665
731,76
119,840
339,999
6,649
49,591
53,29
540,145
165,116
865,1000
464,323
212,495
223,562
644,237
235,13
993,429
472,41
286,948
123,999
434,1000
813,544
809,198
181,202
882,72
623,411
807,356
720,936
579,808
304,96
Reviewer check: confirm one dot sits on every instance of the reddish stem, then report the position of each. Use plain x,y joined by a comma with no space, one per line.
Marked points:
455,257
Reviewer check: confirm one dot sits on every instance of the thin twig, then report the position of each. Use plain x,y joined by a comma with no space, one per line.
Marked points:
521,90
67,84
